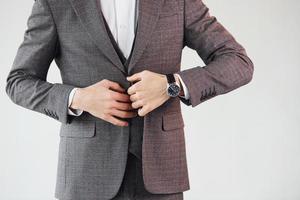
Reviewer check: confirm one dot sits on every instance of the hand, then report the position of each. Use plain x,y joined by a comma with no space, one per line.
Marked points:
106,100
149,91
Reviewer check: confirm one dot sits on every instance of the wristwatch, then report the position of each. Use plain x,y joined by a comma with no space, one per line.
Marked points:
173,89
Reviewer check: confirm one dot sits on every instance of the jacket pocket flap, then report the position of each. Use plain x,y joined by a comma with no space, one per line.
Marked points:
78,129
171,121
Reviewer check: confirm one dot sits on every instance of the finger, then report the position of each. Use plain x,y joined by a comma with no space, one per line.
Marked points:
116,121
142,111
134,97
137,104
115,86
133,88
134,77
123,97
123,114
122,106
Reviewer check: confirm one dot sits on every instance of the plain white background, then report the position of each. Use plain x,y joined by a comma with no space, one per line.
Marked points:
244,145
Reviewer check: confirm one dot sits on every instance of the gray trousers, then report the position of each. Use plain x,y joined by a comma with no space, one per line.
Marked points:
132,187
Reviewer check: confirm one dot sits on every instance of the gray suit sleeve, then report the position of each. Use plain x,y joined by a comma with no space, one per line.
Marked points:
227,64
26,83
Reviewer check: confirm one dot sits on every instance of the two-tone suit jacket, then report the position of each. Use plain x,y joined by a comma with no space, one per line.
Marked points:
92,152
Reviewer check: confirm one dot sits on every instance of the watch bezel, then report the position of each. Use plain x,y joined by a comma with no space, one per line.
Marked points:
170,85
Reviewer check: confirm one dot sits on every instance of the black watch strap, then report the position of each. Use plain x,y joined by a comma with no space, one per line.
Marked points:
170,78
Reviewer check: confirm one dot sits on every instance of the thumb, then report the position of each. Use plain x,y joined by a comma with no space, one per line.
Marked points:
134,77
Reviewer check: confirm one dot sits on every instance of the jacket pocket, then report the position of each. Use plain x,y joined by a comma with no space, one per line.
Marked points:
79,129
172,121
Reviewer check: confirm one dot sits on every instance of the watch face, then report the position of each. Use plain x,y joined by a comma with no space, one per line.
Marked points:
173,90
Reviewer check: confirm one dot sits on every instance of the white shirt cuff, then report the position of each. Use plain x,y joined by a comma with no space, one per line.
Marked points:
71,111
185,90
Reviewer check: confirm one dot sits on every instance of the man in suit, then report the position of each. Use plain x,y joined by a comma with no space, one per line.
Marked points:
122,131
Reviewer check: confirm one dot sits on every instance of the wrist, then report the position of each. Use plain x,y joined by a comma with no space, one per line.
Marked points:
173,88
165,84
178,82
77,101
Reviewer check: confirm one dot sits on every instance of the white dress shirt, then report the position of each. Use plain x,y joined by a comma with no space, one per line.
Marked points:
121,17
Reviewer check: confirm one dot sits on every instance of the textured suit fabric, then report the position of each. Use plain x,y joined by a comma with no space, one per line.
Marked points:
132,186
93,152
135,135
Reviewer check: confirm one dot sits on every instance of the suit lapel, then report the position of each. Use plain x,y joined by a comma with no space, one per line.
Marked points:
89,13
149,11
